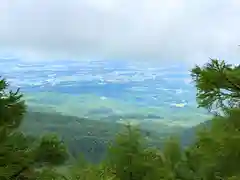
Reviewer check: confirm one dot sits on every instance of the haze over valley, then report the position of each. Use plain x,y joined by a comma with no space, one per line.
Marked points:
109,90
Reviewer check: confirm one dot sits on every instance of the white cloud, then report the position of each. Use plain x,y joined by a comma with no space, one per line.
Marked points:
180,30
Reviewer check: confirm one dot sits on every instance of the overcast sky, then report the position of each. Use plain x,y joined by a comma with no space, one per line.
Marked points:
149,30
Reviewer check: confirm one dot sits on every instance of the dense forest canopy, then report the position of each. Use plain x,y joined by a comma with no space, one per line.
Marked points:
214,154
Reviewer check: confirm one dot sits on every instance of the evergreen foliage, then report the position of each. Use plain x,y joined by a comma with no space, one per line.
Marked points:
218,85
51,150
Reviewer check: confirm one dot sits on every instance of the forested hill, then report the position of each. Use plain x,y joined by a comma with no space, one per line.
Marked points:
90,137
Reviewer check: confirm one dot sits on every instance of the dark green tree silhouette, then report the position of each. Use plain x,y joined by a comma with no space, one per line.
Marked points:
19,152
14,154
130,159
218,85
51,150
216,152
12,106
126,155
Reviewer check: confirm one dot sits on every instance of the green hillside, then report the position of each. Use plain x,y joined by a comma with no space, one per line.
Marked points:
91,137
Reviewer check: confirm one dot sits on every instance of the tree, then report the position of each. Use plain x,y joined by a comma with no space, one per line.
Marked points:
216,152
12,106
173,155
14,154
50,173
17,150
130,159
51,150
125,154
218,85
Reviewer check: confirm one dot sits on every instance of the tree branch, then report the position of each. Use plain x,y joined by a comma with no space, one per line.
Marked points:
15,175
233,84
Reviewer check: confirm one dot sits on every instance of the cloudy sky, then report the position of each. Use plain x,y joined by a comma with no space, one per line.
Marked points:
151,30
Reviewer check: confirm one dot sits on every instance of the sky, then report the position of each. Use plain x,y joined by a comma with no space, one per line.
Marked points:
189,31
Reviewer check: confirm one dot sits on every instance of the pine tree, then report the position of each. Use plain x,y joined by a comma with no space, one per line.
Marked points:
18,152
131,159
51,150
13,152
12,106
218,85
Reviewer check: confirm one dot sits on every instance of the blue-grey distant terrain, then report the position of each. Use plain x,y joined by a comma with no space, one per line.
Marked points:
145,93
